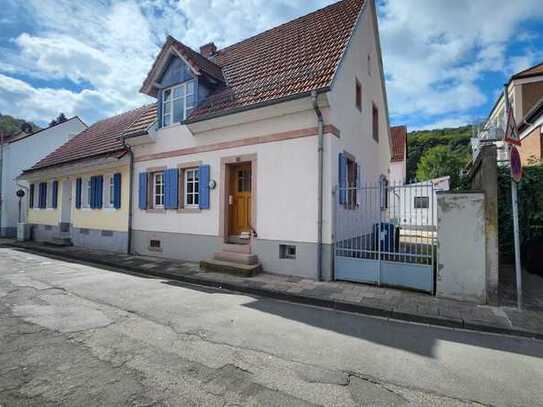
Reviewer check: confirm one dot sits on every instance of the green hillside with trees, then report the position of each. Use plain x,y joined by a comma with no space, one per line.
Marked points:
437,153
10,125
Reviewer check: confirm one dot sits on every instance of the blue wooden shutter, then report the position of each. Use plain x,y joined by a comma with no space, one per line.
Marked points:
342,178
99,191
54,195
93,192
117,190
31,196
42,197
78,183
203,188
142,204
171,181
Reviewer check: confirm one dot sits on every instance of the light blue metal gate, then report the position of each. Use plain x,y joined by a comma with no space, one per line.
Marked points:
386,235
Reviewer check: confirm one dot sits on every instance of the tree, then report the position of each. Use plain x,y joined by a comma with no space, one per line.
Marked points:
442,161
61,118
419,142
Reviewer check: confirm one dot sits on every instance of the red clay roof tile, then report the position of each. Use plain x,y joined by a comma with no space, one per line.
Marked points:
294,58
100,139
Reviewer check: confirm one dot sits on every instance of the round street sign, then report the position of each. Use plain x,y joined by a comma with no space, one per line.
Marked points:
516,165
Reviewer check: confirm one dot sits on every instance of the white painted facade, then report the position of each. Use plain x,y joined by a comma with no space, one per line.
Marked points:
22,154
283,141
398,172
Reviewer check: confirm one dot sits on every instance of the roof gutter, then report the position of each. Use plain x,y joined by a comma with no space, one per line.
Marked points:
320,152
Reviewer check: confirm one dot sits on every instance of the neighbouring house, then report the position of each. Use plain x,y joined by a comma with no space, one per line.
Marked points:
398,160
79,193
239,159
18,153
525,91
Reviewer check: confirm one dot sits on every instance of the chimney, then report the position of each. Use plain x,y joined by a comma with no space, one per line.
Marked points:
208,50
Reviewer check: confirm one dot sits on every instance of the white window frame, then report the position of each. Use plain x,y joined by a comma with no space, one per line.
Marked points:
156,195
195,194
108,191
187,89
87,192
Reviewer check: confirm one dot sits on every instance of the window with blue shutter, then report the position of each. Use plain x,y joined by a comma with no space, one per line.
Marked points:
31,196
342,174
171,183
117,190
42,197
142,192
99,191
78,183
97,187
203,187
54,195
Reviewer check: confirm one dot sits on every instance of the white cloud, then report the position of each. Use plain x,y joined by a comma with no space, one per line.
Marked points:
436,50
108,47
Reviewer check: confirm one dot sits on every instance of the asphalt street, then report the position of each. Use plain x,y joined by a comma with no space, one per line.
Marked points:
77,335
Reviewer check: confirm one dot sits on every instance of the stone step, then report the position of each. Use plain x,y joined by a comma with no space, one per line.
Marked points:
60,241
237,248
236,257
242,270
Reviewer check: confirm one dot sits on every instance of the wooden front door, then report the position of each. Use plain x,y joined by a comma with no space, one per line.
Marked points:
240,199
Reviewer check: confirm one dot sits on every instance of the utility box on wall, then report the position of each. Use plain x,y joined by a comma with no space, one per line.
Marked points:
461,265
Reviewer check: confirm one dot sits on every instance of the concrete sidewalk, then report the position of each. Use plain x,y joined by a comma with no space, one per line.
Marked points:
363,299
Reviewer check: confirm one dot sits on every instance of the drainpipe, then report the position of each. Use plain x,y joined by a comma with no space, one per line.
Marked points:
320,119
130,193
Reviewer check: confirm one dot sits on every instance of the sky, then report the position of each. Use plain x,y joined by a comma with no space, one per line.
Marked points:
445,61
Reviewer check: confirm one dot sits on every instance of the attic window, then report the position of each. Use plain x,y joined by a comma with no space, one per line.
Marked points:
177,103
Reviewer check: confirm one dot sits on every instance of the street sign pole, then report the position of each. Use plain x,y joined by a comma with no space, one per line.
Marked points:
516,174
518,268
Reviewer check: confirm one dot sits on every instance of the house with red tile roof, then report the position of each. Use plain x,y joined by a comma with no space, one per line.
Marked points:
398,159
239,160
79,193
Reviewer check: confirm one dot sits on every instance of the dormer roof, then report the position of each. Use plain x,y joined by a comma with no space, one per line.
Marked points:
199,65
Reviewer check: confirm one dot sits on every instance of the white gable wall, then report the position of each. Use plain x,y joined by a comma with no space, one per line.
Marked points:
23,154
355,126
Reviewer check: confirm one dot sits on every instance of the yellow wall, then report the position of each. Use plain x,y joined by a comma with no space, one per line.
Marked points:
103,219
43,216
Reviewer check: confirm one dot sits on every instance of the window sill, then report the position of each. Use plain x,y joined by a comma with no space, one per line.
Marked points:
154,249
156,210
189,210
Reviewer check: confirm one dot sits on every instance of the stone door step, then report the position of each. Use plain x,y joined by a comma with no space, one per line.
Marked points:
243,270
236,257
60,241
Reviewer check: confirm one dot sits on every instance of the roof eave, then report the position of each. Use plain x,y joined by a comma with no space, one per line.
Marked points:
69,162
254,106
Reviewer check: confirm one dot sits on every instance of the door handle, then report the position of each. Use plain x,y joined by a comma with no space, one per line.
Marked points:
230,200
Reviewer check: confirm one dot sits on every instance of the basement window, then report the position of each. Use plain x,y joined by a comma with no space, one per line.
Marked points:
287,251
154,244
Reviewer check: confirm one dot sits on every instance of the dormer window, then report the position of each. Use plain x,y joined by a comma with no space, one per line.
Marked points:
177,103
